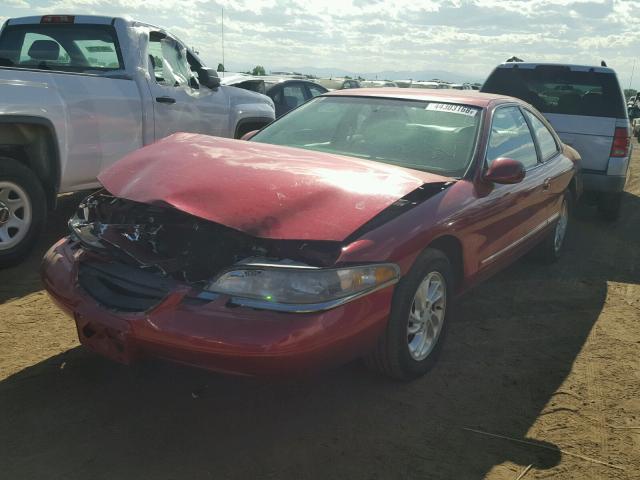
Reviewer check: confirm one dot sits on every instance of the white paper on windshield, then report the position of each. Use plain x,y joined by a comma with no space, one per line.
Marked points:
452,108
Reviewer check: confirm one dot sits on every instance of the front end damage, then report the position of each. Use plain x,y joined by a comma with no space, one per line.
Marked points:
137,279
147,279
136,253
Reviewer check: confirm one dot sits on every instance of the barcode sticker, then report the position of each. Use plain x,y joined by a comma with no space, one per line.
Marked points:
453,108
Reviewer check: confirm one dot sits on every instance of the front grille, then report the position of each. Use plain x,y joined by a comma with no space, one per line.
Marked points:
123,287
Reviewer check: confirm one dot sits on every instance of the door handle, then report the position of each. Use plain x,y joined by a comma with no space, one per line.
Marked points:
165,100
547,184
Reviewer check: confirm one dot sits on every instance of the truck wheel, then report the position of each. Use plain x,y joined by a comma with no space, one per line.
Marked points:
414,335
23,209
609,205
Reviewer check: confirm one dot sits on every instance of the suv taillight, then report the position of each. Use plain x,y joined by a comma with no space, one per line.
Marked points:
621,141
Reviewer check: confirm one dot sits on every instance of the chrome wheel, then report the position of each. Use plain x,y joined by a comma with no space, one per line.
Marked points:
561,226
426,316
15,214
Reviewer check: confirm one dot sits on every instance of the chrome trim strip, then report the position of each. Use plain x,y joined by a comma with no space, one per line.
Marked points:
537,229
307,307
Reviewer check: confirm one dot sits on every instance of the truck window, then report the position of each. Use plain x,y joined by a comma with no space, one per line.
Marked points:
168,61
64,47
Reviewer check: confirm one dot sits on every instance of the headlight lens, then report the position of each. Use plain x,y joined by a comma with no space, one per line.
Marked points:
302,285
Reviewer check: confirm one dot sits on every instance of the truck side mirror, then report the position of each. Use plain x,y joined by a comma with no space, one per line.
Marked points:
209,78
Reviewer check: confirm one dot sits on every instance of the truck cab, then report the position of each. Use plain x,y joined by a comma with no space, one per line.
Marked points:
83,91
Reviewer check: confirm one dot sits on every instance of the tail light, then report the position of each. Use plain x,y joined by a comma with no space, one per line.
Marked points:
621,141
58,19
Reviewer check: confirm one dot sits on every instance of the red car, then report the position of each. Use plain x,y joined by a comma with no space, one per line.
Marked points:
344,229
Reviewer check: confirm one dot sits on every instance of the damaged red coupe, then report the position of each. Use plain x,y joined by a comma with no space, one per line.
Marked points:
342,230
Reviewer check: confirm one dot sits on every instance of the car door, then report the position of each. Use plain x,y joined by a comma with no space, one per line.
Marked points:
509,215
181,104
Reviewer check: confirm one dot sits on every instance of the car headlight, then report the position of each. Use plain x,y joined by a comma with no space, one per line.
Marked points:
303,286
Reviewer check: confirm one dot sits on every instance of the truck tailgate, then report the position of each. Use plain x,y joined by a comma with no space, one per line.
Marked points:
590,136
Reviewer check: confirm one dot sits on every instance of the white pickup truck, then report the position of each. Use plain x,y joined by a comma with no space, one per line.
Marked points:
79,92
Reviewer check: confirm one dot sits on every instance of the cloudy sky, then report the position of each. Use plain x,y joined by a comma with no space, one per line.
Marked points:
462,36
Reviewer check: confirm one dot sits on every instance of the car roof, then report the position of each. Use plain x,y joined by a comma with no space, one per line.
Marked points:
467,97
574,67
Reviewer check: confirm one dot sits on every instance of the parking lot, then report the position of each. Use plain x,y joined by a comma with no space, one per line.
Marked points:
542,358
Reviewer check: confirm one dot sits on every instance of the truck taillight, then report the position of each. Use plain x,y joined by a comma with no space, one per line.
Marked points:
621,141
58,19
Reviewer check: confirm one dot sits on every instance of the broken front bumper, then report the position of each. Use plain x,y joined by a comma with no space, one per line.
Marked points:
208,333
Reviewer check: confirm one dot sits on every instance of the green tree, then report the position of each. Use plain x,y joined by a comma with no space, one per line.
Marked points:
220,67
629,92
258,70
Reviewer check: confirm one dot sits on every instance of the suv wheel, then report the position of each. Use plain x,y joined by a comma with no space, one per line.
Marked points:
23,209
609,205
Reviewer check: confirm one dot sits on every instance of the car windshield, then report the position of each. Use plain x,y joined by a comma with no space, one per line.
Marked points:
559,89
430,136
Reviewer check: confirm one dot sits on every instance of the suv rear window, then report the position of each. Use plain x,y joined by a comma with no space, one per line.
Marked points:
558,89
64,47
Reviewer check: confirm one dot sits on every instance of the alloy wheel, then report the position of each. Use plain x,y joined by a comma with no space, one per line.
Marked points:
426,315
561,226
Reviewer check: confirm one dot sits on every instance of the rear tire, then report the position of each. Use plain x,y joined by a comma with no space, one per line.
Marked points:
551,248
412,341
23,210
609,205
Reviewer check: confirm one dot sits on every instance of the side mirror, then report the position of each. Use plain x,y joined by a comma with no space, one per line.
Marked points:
249,135
506,171
209,78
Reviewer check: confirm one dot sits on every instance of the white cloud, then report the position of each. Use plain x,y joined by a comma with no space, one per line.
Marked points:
466,36
15,4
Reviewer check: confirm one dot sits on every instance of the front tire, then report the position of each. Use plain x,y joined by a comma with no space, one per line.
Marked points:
412,341
23,209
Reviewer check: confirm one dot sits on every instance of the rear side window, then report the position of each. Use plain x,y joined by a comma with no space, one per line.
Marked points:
62,47
546,142
511,138
558,89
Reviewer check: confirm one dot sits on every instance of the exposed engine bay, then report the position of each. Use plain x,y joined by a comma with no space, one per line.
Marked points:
161,239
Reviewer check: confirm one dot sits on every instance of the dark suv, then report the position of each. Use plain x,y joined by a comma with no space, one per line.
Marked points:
586,107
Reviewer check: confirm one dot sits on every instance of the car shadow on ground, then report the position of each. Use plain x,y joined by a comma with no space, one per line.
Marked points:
510,346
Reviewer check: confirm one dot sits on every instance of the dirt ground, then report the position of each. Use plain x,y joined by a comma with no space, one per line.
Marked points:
544,355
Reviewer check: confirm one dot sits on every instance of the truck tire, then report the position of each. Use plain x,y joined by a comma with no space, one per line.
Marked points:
23,210
609,205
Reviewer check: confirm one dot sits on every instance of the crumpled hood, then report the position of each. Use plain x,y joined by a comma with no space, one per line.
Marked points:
264,190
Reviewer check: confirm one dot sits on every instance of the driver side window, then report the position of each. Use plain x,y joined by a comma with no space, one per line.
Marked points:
168,61
511,138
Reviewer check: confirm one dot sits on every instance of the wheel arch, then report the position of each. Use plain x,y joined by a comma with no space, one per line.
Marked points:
33,142
248,124
451,246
